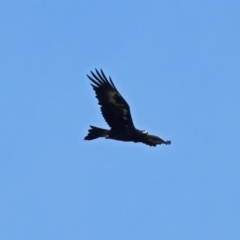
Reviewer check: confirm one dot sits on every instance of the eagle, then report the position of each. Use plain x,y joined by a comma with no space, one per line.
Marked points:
116,113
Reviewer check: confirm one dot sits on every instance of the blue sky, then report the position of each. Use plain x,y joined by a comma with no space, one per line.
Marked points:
177,65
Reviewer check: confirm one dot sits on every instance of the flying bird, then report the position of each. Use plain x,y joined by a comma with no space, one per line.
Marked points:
116,113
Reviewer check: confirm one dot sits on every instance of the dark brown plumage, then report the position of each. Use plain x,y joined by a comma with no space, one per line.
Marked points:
116,113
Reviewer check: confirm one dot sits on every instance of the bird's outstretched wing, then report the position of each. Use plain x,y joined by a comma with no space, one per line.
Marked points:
152,140
114,108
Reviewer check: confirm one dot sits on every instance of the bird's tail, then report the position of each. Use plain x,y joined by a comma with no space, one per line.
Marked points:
95,132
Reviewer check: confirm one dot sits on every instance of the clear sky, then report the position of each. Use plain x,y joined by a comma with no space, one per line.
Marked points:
177,63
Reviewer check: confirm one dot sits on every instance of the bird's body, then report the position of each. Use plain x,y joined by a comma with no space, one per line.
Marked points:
116,112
